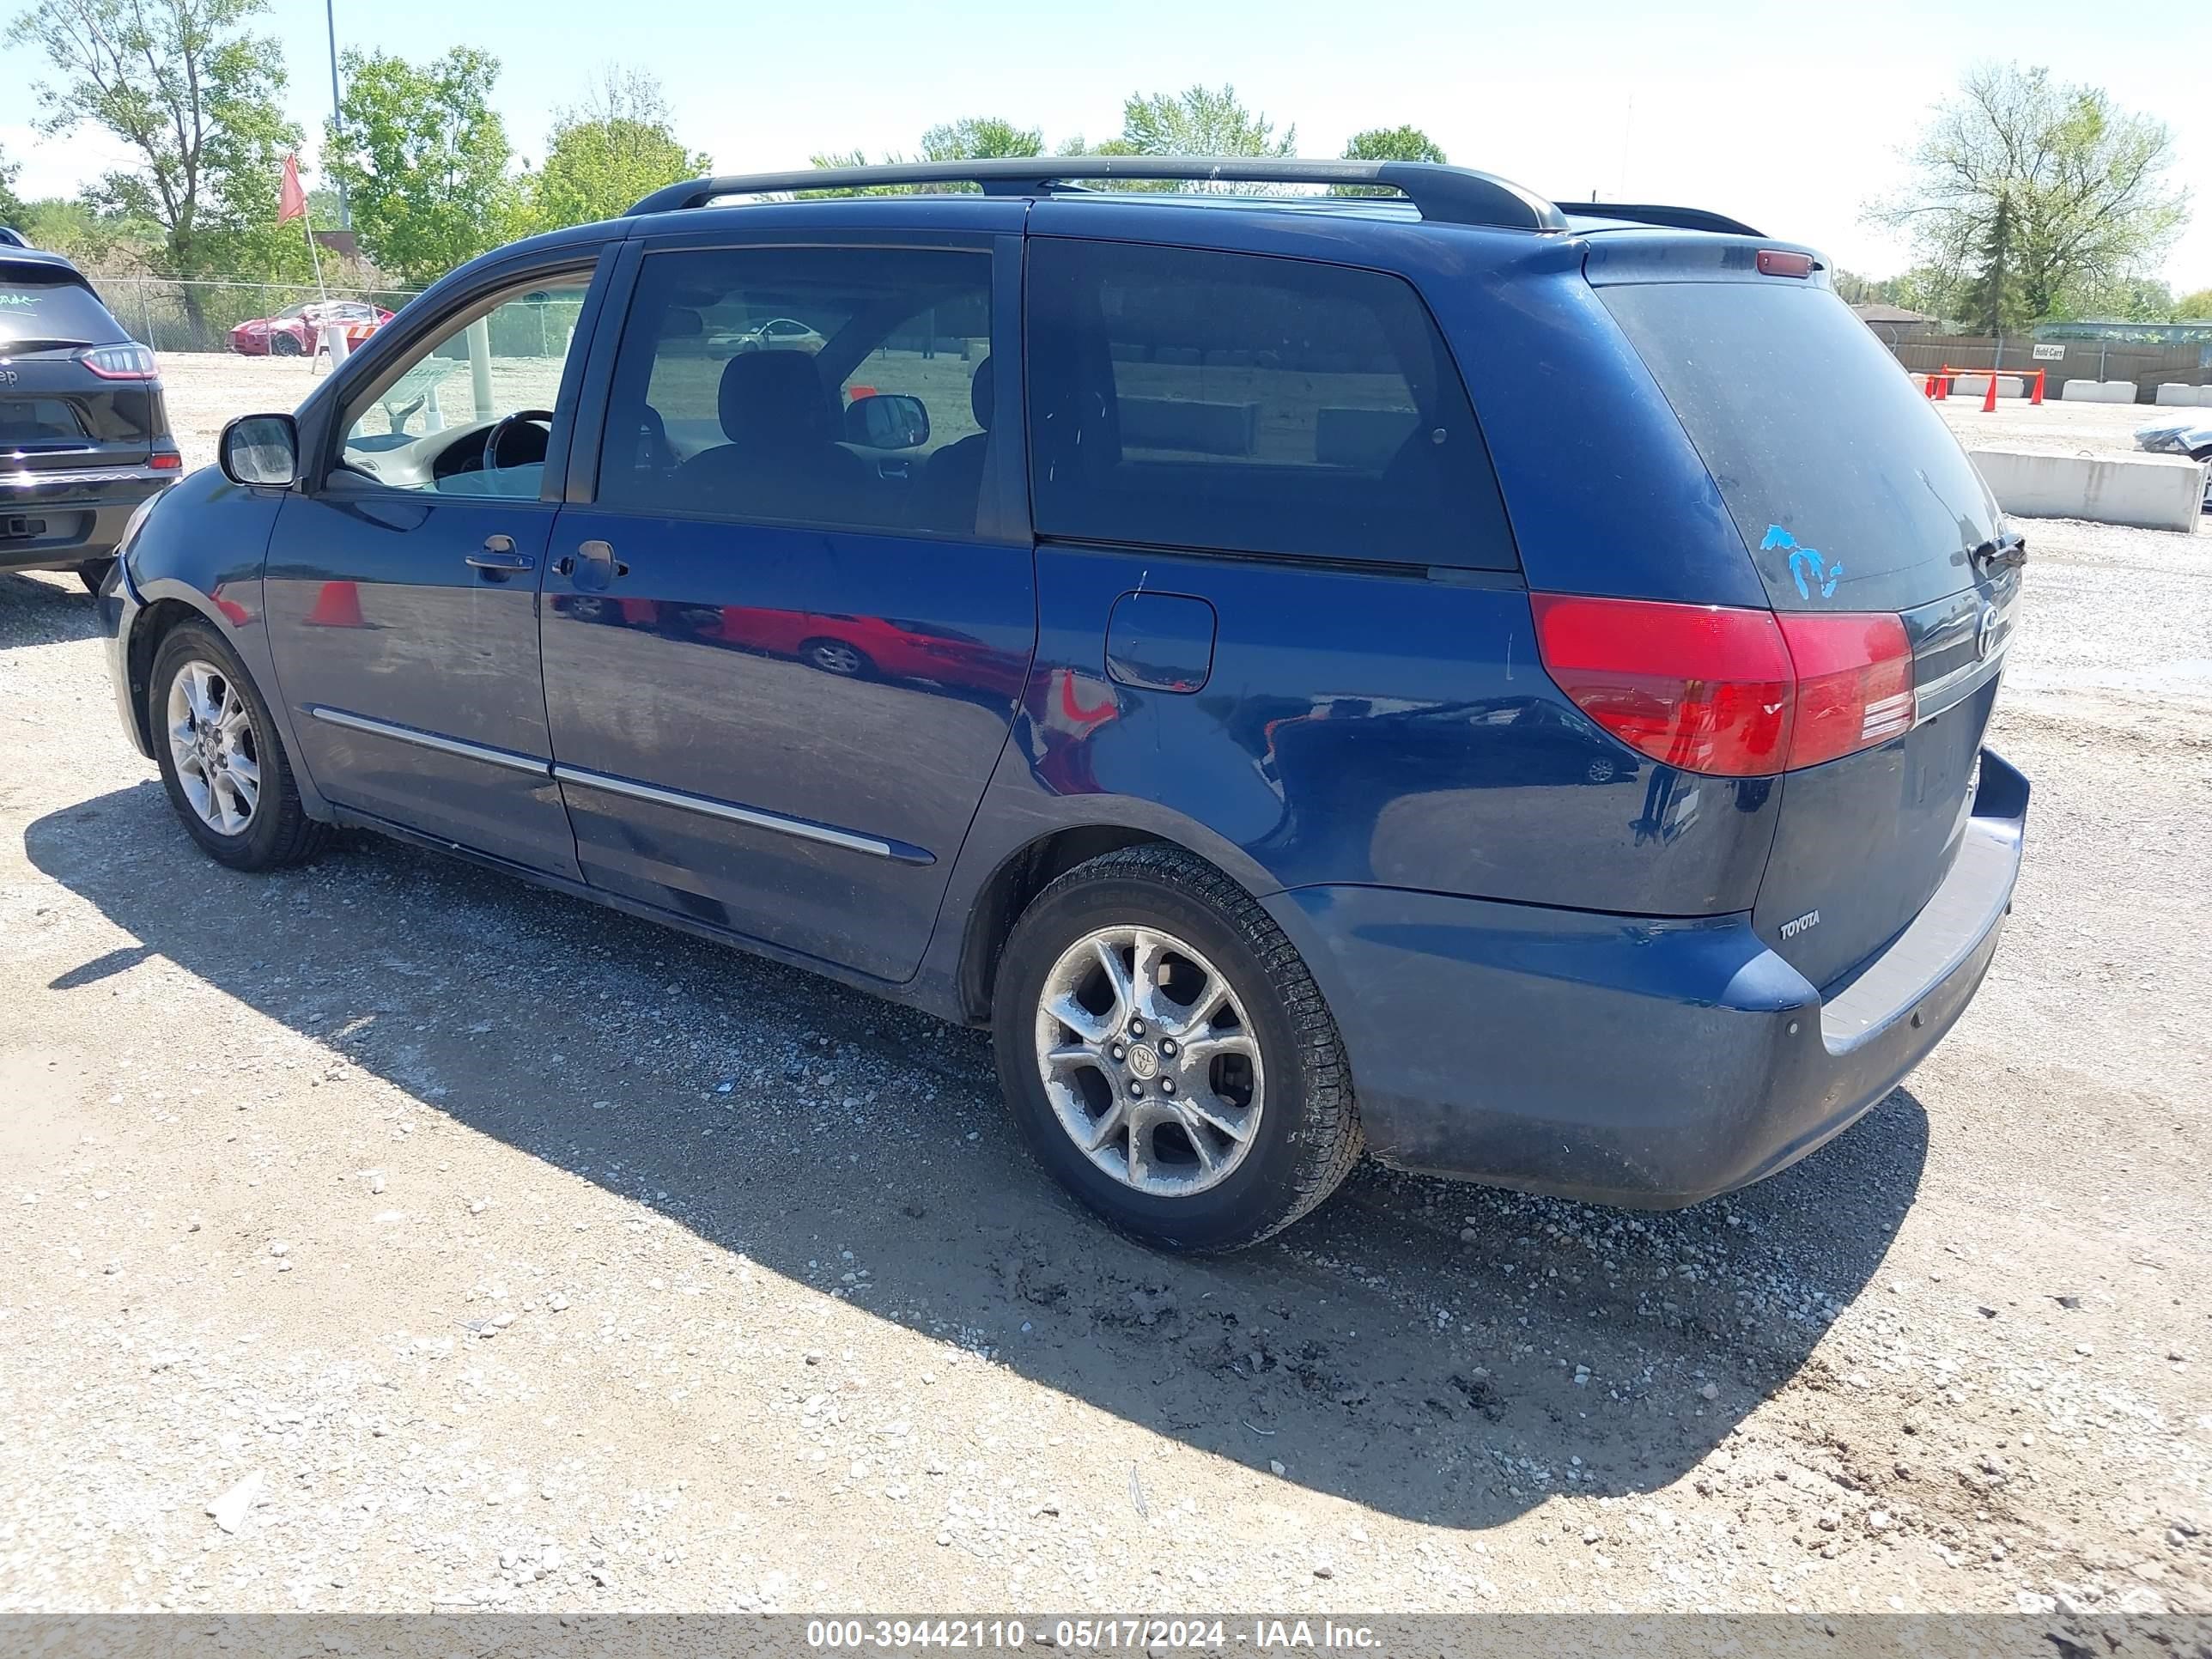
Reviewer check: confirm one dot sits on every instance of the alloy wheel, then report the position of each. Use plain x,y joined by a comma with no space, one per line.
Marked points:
1149,1061
212,746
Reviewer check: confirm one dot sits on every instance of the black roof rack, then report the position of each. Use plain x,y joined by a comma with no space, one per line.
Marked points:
1454,195
1650,213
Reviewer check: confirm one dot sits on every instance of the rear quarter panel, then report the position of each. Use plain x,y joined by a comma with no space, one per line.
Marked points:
1373,729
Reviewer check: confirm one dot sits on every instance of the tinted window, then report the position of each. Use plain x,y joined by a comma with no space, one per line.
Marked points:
67,313
1848,487
1186,398
836,386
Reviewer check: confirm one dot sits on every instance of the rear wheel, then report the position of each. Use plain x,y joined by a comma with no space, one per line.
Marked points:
1167,1055
837,657
221,762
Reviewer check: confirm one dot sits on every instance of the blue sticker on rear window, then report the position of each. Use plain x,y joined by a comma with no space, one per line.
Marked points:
1801,560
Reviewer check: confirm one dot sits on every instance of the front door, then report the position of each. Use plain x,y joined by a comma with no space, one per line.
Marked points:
402,587
780,658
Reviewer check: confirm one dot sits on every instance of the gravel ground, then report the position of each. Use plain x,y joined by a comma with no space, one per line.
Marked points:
386,1236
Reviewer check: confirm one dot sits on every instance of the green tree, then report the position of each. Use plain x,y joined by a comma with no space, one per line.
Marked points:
978,138
2080,183
196,100
608,152
1393,145
2132,300
11,205
1992,299
1387,144
425,160
1199,121
2192,308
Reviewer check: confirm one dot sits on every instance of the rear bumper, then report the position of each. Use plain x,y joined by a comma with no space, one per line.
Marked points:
71,517
1635,1061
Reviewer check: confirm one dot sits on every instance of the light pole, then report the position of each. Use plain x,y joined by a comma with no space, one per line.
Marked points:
330,16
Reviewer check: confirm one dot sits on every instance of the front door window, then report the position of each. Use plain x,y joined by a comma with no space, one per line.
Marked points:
472,413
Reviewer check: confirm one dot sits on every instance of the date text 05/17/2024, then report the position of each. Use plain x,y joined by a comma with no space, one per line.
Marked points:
1085,1635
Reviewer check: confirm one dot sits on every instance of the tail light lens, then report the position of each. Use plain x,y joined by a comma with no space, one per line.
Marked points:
128,361
1854,683
1730,692
165,460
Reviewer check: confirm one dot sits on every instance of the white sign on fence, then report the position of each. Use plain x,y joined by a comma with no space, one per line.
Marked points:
2050,354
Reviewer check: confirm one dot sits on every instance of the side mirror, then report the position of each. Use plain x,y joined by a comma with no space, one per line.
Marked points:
261,450
887,421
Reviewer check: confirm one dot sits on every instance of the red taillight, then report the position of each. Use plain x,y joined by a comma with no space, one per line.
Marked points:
1730,692
1854,683
1698,686
1777,261
165,460
128,361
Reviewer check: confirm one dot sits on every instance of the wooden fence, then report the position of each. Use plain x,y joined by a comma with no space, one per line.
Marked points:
2148,366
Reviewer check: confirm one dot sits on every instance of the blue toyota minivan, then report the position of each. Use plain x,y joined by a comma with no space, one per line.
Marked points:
1414,668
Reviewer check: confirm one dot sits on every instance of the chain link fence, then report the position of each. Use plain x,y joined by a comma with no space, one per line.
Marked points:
172,315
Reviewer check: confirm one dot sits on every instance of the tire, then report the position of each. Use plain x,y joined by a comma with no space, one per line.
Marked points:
281,344
1302,1139
93,572
847,662
277,829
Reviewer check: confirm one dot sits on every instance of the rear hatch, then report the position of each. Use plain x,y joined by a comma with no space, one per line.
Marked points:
1854,499
73,392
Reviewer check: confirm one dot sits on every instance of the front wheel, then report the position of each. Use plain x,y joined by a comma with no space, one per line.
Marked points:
1167,1055
281,344
221,762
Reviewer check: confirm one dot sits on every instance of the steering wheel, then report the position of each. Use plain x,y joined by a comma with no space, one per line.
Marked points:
497,435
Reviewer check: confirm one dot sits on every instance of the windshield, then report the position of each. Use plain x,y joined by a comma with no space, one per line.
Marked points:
35,312
1849,490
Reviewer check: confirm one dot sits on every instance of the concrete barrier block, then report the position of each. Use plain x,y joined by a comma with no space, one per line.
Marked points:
2152,492
2098,392
1977,385
2172,396
1209,428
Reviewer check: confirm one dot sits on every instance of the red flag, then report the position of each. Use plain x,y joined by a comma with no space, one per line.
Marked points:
291,200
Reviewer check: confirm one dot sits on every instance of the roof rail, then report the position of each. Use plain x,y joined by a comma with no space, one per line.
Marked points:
1649,213
1455,196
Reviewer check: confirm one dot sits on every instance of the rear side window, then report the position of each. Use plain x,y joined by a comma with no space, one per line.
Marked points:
843,385
58,313
1180,398
1848,487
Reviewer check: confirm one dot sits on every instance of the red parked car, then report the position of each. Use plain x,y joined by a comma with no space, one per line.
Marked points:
292,332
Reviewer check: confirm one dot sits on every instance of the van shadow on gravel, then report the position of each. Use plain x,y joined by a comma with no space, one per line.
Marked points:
1413,1346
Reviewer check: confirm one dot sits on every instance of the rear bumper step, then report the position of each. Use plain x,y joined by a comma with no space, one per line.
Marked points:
1626,1061
53,520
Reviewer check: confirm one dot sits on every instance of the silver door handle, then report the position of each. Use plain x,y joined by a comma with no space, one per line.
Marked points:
498,554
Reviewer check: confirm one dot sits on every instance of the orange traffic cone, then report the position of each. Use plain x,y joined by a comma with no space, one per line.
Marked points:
339,605
1990,401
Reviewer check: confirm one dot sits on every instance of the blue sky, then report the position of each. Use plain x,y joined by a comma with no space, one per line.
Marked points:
1788,116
